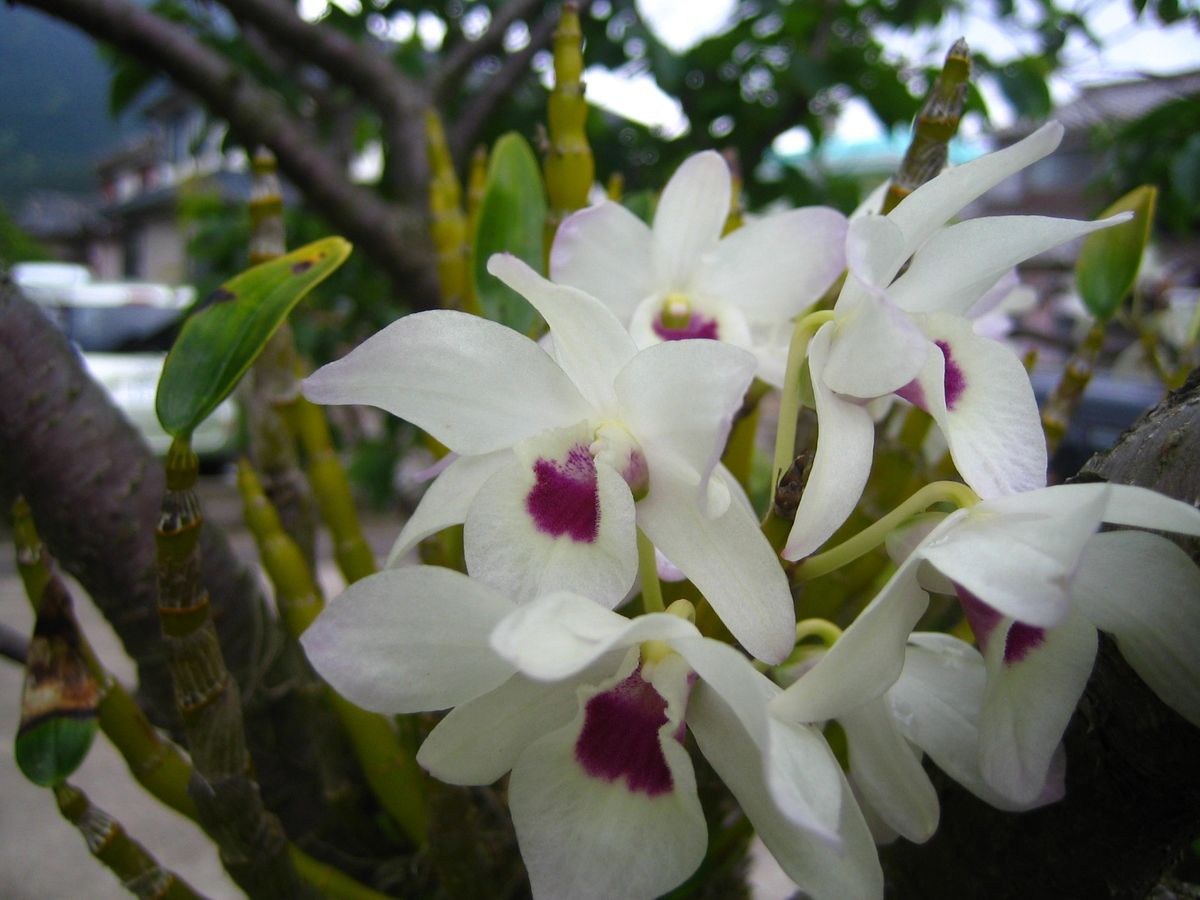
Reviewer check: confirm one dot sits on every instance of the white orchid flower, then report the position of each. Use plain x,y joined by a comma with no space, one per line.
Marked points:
681,279
588,710
562,458
932,708
1036,581
909,333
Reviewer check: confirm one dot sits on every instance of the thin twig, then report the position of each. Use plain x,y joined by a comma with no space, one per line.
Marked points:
459,59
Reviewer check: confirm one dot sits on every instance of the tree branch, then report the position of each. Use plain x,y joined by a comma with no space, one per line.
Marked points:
464,133
399,101
1132,803
398,243
459,59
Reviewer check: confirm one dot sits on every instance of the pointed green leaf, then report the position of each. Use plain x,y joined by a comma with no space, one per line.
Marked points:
511,218
1109,260
218,343
51,750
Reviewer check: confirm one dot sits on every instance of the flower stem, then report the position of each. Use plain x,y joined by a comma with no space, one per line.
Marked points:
789,403
873,535
652,598
819,628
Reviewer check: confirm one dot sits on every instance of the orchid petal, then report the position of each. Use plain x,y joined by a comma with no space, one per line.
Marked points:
681,396
594,246
776,267
590,344
555,519
865,661
821,869
841,466
979,394
959,263
478,742
474,385
409,640
584,835
726,557
691,213
1017,553
447,499
934,203
874,250
1141,507
887,773
876,349
797,768
561,634
1145,591
1032,688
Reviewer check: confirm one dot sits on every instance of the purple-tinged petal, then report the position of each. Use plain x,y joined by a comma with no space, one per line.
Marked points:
1028,702
876,348
474,385
979,394
584,826
687,224
554,519
604,250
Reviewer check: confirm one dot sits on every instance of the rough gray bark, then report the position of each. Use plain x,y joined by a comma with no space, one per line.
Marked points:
1132,804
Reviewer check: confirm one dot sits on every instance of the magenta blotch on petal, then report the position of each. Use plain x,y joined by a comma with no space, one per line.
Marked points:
564,499
914,394
697,326
1021,638
956,382
620,736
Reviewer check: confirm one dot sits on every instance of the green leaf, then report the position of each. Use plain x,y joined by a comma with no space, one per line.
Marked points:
1109,260
50,751
511,218
218,343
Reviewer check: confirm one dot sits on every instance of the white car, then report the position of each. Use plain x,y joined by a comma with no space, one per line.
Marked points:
123,331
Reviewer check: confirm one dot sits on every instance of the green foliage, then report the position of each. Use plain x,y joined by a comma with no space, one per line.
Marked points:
220,341
50,751
15,245
1109,260
1162,148
510,221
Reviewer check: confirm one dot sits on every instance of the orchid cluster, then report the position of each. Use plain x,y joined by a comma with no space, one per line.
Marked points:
583,464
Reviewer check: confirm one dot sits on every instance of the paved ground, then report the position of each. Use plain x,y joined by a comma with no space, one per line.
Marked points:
42,855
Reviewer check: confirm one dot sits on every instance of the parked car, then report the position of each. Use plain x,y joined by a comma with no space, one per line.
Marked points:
123,331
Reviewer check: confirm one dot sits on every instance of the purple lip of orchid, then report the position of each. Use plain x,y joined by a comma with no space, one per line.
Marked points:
1019,641
564,499
620,737
955,382
696,326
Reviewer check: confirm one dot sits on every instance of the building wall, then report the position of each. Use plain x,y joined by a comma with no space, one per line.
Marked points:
161,251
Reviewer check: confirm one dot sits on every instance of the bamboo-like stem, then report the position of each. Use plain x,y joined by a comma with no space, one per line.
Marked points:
476,188
390,768
273,377
448,224
936,124
1068,393
251,841
569,168
139,872
331,489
